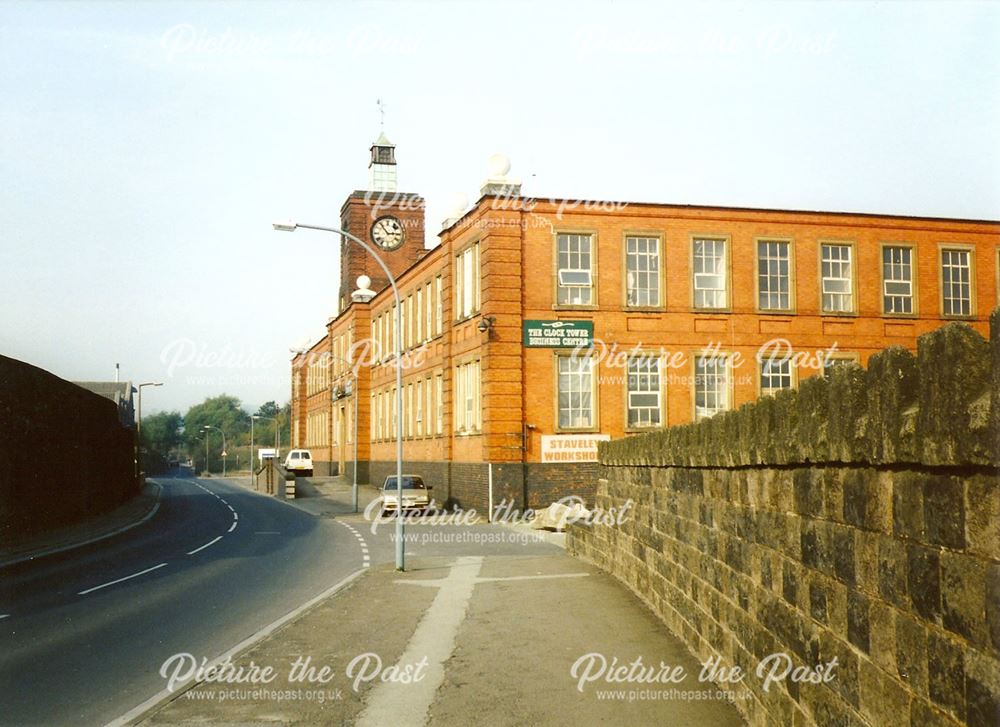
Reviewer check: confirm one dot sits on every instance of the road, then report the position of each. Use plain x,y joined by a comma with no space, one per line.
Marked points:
84,633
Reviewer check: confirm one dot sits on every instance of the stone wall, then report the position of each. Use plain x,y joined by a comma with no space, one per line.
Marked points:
856,518
65,453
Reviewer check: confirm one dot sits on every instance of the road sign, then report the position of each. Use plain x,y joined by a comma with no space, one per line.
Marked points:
558,334
224,454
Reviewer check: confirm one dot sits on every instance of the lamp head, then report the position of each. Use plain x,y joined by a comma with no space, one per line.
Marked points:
486,324
288,226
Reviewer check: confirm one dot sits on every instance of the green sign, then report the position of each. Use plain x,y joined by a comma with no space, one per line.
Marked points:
558,334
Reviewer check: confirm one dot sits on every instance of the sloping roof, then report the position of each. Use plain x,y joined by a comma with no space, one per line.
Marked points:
382,140
114,390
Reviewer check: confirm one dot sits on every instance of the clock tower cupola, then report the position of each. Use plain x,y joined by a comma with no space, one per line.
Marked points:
392,222
382,167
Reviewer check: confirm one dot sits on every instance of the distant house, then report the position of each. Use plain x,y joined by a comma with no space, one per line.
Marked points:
120,392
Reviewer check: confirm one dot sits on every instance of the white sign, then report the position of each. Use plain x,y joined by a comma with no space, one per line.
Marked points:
571,447
266,453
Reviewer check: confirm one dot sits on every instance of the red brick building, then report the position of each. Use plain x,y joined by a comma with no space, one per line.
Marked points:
691,310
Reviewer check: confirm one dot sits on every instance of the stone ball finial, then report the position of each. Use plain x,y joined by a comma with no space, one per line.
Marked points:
499,165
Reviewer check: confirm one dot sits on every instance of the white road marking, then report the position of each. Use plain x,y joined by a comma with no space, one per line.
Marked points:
366,561
4,615
406,705
210,542
111,583
164,695
233,526
230,508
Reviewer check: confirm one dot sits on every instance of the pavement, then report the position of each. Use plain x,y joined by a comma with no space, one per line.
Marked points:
490,623
494,636
132,514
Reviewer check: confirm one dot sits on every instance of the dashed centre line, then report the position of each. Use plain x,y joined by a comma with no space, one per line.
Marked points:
236,516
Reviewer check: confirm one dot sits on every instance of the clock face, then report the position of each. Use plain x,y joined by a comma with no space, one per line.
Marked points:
387,232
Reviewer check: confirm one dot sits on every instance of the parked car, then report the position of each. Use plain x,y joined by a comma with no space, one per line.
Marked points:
416,495
299,462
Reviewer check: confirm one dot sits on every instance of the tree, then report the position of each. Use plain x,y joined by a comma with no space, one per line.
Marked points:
268,409
161,436
222,412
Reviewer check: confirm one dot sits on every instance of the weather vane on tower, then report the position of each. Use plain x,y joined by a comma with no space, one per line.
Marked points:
381,113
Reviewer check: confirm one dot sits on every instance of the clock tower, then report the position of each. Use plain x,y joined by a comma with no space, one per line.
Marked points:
392,222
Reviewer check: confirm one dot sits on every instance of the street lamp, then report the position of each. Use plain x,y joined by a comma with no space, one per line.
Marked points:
138,432
204,433
206,427
291,227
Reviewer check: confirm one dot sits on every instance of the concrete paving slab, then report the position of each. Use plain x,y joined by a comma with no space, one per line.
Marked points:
516,651
521,623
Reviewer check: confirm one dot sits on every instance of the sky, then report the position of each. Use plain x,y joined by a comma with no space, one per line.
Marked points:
146,147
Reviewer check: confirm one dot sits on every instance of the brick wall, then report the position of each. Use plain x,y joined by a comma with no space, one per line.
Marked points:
550,482
858,518
466,484
66,456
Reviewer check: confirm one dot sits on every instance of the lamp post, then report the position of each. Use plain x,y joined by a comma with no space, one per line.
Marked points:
138,432
205,432
291,227
206,427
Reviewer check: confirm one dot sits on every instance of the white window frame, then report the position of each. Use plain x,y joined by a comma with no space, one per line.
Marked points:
468,413
840,301
653,270
764,366
467,275
704,295
946,262
722,380
566,375
892,275
439,399
767,294
420,316
575,284
418,414
438,306
639,383
429,311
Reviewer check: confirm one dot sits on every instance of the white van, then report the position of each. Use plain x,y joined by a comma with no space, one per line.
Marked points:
299,462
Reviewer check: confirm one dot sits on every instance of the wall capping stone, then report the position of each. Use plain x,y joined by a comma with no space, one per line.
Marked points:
939,407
